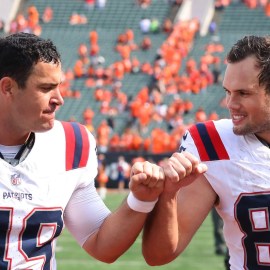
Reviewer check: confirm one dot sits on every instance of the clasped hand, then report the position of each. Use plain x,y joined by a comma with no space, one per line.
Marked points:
148,180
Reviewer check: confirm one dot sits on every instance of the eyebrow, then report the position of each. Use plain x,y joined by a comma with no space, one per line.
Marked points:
50,84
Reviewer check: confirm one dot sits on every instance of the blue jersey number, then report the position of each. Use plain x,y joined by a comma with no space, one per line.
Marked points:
252,213
40,227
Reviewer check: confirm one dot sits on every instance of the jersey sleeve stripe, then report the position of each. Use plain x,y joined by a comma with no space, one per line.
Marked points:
77,145
70,144
208,142
216,140
85,148
203,142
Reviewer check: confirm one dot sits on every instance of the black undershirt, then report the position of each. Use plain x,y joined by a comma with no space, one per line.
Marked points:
23,152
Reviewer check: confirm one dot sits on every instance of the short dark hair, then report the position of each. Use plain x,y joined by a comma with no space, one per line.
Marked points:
254,46
19,53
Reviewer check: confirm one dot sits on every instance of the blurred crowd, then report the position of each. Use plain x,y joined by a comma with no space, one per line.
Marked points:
147,105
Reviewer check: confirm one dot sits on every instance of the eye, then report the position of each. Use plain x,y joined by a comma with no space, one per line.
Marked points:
243,93
48,88
227,92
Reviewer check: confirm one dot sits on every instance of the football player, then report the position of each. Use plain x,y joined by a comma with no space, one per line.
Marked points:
48,167
225,164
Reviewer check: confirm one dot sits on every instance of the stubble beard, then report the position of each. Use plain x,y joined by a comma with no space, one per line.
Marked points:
252,129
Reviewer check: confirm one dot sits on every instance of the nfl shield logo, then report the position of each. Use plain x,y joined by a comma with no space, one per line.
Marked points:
15,179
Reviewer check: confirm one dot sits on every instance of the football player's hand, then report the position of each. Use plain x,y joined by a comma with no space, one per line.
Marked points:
180,170
146,181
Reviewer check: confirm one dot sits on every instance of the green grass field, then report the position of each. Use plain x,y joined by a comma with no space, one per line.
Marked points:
199,255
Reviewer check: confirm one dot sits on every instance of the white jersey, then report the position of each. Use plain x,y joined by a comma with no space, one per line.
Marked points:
239,172
52,188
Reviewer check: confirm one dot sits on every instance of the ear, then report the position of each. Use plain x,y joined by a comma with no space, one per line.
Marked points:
6,85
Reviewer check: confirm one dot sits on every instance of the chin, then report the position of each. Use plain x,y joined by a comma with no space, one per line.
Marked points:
242,131
49,125
45,126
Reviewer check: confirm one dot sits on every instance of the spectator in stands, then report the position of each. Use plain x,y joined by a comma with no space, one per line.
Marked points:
213,27
144,3
123,169
89,4
213,116
267,9
114,144
103,136
145,24
76,18
102,176
19,24
200,115
79,69
88,115
83,54
154,26
93,37
47,15
146,43
216,73
33,17
167,26
111,122
101,4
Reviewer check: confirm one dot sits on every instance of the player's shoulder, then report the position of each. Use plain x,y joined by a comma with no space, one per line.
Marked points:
213,139
223,126
68,141
71,131
212,130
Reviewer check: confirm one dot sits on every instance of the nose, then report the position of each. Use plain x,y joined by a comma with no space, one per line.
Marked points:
231,102
57,98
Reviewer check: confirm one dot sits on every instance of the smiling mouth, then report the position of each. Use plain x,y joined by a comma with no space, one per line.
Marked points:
237,117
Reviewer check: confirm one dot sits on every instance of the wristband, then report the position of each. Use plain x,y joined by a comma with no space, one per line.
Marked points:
140,206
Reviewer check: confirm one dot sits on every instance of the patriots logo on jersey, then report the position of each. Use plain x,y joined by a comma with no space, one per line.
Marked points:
15,179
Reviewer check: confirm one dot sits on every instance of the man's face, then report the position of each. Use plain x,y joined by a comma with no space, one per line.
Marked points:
248,103
34,107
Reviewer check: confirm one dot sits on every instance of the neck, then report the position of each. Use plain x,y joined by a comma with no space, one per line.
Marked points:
263,141
11,139
11,133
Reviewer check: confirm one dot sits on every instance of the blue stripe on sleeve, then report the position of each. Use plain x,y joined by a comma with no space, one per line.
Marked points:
78,145
206,139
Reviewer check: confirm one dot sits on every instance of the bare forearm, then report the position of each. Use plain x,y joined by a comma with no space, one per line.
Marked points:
116,235
160,237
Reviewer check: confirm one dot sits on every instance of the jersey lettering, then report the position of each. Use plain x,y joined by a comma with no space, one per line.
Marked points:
252,214
40,227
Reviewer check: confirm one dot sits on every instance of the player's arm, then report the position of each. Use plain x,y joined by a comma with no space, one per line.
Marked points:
121,228
182,207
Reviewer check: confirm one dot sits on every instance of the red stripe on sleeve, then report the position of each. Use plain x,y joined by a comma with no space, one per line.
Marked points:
216,140
70,145
85,147
199,144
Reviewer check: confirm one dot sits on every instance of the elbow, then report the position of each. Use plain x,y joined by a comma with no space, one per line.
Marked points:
107,259
104,257
154,259
157,261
